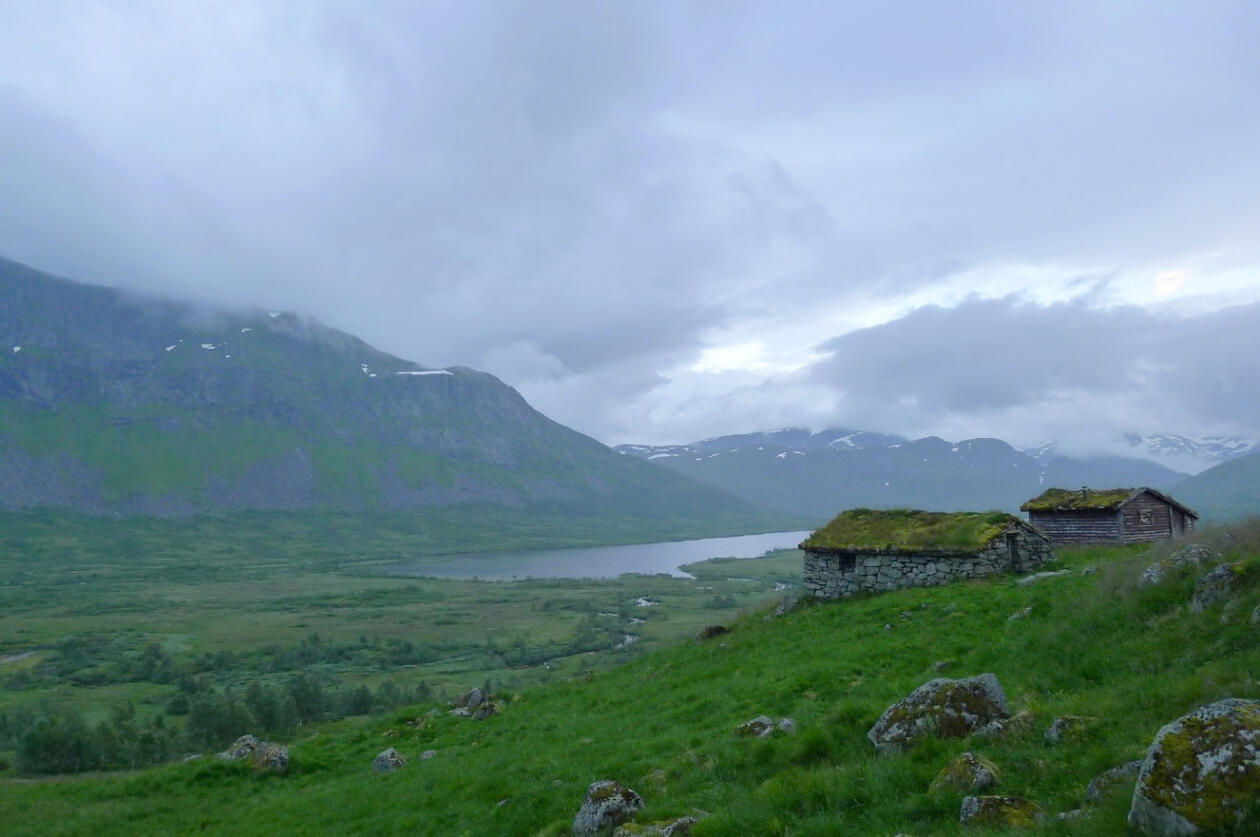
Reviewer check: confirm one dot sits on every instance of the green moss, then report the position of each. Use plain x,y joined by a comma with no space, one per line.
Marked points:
1059,499
1207,798
910,530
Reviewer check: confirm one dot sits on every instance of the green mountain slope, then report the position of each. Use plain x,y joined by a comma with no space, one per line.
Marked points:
1127,658
1228,491
113,404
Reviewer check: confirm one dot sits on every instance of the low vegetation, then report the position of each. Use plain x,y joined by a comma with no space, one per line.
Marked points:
909,530
1123,656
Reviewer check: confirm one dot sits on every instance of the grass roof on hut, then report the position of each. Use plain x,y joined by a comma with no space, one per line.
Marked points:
1063,499
909,530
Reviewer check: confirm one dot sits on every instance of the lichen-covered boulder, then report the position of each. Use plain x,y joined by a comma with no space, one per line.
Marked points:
943,708
1066,728
1189,555
1111,778
680,827
966,772
1001,812
1201,772
263,755
608,804
272,756
388,761
1215,586
241,748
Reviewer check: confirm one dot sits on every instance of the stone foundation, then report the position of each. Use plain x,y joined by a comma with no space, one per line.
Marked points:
834,574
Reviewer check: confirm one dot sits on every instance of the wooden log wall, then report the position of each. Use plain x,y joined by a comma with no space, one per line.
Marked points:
1084,526
1147,518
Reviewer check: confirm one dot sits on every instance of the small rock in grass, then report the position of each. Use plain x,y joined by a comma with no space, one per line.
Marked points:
1001,811
758,727
607,805
1035,577
680,827
1022,613
1110,778
966,772
1017,724
712,631
1066,727
428,754
388,761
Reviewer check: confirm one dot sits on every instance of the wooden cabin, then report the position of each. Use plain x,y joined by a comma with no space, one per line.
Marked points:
1116,515
863,550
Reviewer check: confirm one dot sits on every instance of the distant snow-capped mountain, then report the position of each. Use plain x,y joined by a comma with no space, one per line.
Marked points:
819,473
1214,448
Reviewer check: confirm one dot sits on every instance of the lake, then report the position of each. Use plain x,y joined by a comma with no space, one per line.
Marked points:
598,561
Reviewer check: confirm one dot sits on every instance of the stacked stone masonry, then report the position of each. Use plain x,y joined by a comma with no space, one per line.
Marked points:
835,574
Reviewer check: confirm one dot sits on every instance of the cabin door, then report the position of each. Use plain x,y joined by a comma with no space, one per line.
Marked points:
1012,550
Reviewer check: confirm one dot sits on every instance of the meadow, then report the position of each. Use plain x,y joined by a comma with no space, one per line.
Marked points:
207,623
1098,644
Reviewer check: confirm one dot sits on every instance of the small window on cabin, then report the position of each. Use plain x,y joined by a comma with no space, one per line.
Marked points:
1146,516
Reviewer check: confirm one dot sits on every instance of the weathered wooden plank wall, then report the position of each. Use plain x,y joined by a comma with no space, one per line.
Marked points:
1084,526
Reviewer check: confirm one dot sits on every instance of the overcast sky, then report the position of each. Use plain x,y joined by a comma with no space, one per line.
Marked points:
662,221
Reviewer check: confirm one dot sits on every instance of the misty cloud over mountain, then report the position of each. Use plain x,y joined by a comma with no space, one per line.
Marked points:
605,204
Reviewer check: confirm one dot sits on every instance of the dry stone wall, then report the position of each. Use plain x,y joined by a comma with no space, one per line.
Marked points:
833,575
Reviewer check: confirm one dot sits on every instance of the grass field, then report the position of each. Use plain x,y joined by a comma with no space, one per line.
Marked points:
262,597
1129,658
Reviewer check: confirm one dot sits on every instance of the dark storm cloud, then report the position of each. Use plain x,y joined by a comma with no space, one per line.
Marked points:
601,188
1050,366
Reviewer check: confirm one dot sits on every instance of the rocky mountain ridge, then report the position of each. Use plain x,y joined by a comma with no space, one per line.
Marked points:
111,403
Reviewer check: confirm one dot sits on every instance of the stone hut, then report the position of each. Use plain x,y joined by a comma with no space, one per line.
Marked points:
1114,515
864,550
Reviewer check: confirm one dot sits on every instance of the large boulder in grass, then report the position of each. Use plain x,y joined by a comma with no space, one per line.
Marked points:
1216,586
1201,773
941,708
607,805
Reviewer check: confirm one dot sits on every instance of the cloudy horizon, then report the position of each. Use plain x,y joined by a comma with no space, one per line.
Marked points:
662,222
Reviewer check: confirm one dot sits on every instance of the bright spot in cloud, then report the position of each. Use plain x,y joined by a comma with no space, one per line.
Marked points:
1169,282
748,357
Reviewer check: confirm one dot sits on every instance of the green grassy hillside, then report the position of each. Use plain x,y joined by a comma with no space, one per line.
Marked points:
110,403
1229,491
1129,658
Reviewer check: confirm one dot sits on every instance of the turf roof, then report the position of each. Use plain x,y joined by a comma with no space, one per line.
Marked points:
1063,499
909,530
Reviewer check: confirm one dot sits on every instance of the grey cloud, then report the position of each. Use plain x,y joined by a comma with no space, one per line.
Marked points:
611,184
994,362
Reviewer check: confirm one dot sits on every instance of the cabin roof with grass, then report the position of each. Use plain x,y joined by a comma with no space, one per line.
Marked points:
911,530
1090,499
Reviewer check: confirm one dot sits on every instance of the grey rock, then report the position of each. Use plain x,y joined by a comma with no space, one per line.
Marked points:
1022,613
1064,727
428,754
1000,811
608,804
786,725
1201,773
1214,587
966,772
1035,577
758,727
1108,779
388,761
943,708
680,827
